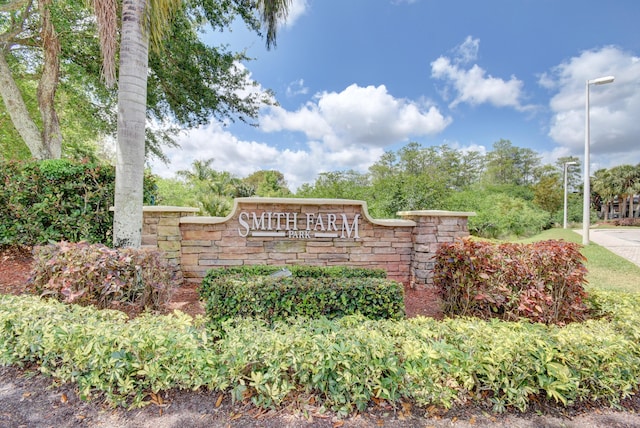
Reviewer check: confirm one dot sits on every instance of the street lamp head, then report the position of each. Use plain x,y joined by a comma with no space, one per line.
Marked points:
571,163
601,80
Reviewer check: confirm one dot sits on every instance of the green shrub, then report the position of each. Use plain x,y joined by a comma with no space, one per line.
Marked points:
543,281
343,364
55,200
297,271
311,291
276,299
499,214
107,278
102,351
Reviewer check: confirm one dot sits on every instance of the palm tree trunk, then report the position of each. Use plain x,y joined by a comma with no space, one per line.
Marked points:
132,101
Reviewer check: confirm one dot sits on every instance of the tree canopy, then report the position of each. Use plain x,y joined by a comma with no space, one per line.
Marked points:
213,191
509,188
189,81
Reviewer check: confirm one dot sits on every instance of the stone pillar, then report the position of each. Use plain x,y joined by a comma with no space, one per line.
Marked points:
161,230
432,229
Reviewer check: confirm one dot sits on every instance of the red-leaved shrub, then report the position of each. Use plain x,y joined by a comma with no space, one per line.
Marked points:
93,274
543,282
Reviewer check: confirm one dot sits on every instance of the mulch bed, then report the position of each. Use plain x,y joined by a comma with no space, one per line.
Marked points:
46,403
16,264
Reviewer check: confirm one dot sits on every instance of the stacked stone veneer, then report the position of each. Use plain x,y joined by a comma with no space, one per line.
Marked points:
161,230
431,229
403,247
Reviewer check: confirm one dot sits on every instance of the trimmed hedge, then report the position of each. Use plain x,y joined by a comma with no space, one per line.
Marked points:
223,301
311,291
56,200
297,271
542,282
276,299
342,364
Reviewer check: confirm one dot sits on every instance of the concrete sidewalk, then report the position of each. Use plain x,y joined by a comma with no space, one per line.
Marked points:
623,242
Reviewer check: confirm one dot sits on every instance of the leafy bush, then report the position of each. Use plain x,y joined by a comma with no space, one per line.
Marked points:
296,271
107,278
275,299
542,281
499,214
342,364
55,200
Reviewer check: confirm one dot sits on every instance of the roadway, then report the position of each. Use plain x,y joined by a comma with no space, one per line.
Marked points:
623,242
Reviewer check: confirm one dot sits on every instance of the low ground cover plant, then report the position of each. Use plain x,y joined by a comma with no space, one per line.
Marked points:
543,281
343,364
273,293
93,274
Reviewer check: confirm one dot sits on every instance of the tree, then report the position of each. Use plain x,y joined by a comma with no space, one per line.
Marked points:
602,184
132,102
15,17
201,170
636,191
471,168
573,171
188,82
498,214
33,36
212,191
618,184
132,97
203,187
414,178
548,192
624,179
509,165
337,185
268,183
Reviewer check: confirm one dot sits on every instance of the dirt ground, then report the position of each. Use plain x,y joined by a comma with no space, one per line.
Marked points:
29,399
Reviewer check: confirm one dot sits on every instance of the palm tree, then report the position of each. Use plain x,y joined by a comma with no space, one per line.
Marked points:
139,19
132,103
200,171
630,182
624,178
602,184
636,190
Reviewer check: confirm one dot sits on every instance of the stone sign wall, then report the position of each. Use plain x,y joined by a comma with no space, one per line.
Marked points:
321,232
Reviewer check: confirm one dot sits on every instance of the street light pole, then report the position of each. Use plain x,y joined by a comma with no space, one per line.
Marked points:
587,186
564,223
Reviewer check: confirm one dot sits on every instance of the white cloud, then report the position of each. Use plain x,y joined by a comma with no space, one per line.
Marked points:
468,51
297,88
251,87
242,158
307,119
467,148
345,130
472,85
614,108
358,117
297,9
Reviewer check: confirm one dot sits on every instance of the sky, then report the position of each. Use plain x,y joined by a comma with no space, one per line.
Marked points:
356,78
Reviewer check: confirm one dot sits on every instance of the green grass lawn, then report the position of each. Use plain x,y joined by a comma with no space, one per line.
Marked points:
606,270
